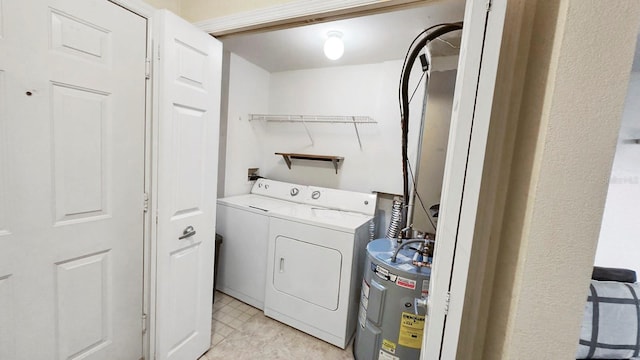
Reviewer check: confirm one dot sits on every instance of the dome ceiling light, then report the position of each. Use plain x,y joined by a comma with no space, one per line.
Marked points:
333,46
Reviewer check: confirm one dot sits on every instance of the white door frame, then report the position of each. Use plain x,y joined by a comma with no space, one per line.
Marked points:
460,202
297,11
465,154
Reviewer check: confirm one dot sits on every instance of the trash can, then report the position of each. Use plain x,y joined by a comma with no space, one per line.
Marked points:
215,264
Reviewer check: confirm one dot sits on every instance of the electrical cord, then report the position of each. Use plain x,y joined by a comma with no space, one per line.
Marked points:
404,63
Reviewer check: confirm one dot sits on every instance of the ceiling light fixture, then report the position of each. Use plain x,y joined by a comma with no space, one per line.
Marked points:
333,46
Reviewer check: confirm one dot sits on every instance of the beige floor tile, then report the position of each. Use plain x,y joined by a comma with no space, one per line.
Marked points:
226,318
221,329
265,339
252,336
252,311
243,307
235,312
216,339
236,324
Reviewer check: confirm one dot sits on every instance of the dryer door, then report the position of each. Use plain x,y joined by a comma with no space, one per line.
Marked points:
307,271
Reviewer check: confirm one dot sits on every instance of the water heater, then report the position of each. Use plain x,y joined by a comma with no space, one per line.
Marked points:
391,321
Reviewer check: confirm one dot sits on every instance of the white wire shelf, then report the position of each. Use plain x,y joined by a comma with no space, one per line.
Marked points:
328,119
355,120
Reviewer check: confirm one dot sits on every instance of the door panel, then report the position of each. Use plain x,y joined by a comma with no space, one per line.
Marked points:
189,132
77,37
72,122
85,324
184,263
189,80
307,271
79,162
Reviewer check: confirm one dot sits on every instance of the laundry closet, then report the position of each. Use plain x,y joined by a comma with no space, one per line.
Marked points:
310,159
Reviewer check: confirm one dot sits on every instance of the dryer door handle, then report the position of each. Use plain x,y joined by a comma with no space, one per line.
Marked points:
281,264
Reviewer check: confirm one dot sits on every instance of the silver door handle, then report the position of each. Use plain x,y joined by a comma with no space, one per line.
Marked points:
188,232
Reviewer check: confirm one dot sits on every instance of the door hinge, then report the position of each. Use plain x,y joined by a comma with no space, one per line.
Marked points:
145,206
489,5
446,303
144,323
147,69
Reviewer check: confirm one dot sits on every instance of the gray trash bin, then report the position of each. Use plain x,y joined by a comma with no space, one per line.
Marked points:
215,264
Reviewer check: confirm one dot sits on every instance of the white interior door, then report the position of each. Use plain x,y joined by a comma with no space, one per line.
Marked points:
72,134
188,70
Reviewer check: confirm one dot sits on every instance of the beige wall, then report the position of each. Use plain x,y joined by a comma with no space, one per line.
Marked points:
198,10
171,5
578,66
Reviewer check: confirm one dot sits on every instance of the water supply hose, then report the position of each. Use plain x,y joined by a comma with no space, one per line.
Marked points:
396,219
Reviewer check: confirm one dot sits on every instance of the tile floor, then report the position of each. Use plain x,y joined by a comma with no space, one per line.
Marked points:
242,332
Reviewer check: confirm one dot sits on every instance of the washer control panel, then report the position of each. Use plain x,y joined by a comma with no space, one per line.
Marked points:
316,196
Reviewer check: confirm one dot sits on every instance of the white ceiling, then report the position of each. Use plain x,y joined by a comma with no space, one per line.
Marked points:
367,39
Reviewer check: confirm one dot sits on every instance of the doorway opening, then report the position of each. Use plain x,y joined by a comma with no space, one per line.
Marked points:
284,72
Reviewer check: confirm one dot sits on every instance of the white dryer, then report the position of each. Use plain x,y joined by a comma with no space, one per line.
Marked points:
243,222
315,261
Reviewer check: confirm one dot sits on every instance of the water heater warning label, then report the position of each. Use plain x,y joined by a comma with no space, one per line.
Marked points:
389,346
411,328
406,283
425,288
386,356
383,273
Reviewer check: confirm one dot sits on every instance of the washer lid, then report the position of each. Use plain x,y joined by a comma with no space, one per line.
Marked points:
255,202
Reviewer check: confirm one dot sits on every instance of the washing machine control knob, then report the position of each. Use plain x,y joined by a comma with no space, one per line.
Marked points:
294,191
266,186
315,195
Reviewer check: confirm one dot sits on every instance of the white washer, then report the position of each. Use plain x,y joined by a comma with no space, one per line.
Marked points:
315,262
243,222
